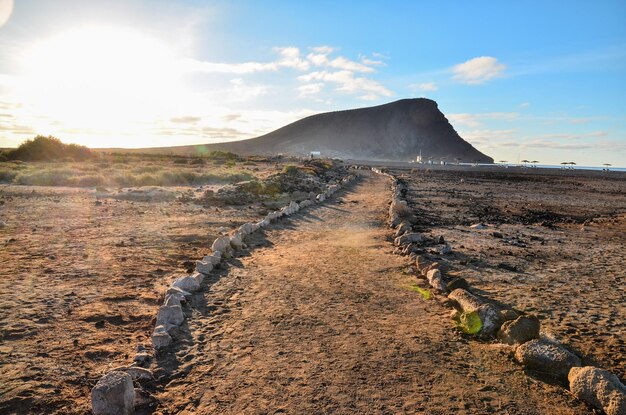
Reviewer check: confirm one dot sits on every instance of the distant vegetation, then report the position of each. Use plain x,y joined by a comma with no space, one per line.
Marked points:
48,148
46,161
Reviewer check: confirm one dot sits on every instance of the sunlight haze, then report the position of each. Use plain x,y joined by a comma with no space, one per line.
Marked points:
538,81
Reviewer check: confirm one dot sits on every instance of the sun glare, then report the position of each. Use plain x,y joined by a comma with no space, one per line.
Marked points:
99,78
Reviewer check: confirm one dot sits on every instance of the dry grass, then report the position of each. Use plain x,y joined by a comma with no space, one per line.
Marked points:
116,171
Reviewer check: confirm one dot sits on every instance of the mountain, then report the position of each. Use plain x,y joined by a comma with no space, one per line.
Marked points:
394,131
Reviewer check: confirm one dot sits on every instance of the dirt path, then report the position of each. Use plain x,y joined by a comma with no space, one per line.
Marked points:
319,318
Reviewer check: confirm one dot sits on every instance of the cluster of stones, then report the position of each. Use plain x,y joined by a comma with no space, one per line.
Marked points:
120,390
593,385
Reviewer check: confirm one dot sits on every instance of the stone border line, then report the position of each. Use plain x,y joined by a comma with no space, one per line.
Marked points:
120,390
482,317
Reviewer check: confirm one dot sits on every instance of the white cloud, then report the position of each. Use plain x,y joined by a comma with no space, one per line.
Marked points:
426,86
476,119
310,89
478,70
289,58
348,83
241,91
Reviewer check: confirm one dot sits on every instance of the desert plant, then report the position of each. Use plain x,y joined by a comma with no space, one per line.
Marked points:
48,148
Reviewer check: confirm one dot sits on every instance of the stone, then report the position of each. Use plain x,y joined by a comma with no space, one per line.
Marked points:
142,358
490,318
161,339
204,267
186,283
599,388
178,291
294,207
247,228
143,399
170,316
548,357
457,282
113,395
403,227
236,241
198,276
520,330
467,301
478,226
444,250
436,280
215,258
408,238
136,373
221,244
320,198
488,313
399,207
173,299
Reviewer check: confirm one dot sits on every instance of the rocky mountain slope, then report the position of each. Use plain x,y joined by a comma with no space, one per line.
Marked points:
394,131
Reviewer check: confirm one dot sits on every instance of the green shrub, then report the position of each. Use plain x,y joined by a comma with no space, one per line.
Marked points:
48,148
7,175
290,170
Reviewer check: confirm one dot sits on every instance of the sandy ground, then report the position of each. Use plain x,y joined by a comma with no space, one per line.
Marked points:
319,317
80,285
554,246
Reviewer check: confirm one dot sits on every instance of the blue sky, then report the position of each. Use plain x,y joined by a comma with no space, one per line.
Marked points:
520,80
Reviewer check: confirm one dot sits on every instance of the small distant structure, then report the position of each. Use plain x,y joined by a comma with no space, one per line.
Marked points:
607,167
315,154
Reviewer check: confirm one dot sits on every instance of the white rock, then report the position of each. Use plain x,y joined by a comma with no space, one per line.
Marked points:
186,283
599,388
161,339
178,291
221,244
546,356
236,242
204,267
113,395
199,277
320,198
214,259
135,372
173,299
489,315
478,226
408,238
170,316
247,228
436,280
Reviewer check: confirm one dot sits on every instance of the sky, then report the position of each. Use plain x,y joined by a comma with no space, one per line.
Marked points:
535,80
